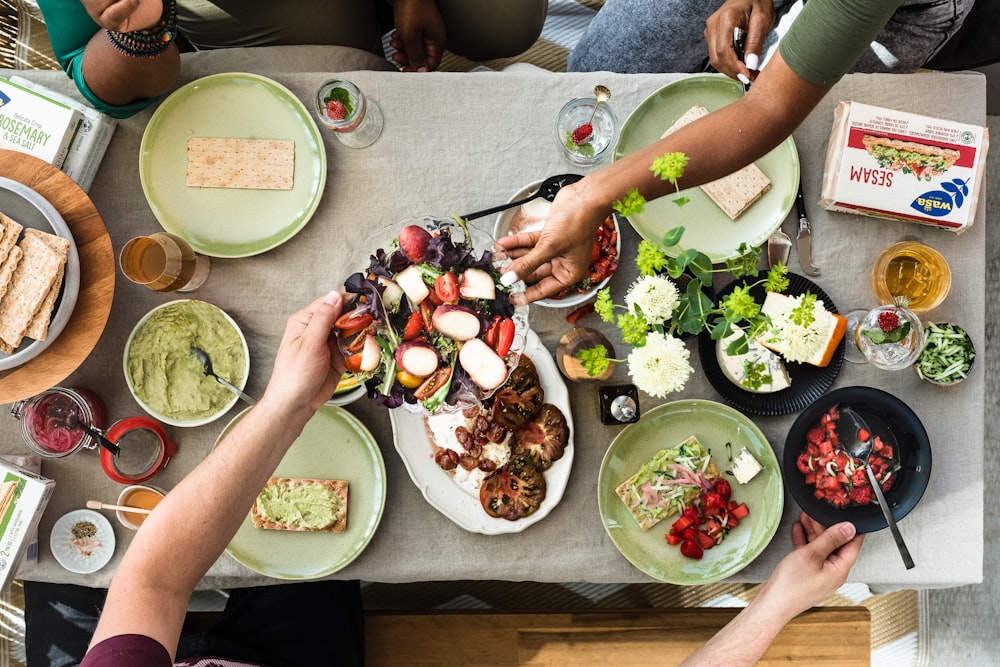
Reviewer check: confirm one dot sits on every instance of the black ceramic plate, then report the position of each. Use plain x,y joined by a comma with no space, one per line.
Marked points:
808,382
889,418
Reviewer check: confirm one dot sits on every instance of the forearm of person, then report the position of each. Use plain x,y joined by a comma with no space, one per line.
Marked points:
745,639
194,523
119,79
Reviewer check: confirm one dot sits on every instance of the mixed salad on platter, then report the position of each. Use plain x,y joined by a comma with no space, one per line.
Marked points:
431,326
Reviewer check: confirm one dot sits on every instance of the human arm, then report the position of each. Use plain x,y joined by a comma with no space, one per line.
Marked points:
816,568
755,18
419,37
196,520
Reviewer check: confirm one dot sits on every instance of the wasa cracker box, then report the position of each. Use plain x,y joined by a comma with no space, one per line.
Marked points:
892,164
34,124
23,497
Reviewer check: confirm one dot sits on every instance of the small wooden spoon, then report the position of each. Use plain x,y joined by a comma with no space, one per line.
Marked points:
98,505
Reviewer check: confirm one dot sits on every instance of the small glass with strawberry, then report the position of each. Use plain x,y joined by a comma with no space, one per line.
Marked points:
342,107
586,129
890,336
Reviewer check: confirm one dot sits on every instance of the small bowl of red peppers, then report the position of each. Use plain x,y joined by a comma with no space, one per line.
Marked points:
831,486
531,216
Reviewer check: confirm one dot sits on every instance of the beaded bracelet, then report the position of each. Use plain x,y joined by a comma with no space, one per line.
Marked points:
151,42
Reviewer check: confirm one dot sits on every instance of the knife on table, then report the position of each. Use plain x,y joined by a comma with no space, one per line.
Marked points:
804,238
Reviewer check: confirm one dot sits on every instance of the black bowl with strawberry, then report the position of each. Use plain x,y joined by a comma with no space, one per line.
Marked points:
430,325
902,459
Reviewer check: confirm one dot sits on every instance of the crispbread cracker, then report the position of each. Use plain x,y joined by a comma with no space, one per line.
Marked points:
39,326
338,494
7,270
31,281
8,237
255,164
734,193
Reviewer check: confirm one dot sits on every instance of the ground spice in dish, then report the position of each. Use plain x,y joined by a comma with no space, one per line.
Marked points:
83,529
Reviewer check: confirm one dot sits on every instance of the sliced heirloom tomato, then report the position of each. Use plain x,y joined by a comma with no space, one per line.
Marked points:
433,383
446,287
520,398
513,492
353,322
544,438
414,326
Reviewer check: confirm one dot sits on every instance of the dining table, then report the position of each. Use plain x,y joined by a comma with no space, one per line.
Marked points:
458,142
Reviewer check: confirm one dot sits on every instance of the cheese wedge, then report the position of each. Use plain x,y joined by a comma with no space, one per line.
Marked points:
735,366
813,343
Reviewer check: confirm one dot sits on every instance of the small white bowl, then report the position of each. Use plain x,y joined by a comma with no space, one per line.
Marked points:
174,420
127,493
502,228
71,556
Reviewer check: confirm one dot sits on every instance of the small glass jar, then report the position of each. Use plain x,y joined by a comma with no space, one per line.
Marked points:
343,108
50,421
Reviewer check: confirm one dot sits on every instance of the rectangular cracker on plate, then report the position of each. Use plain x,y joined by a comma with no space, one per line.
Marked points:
301,504
39,326
734,193
29,284
667,483
249,164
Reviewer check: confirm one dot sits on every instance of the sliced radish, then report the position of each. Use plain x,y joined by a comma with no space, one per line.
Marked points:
371,354
477,284
456,322
417,358
482,364
412,282
392,294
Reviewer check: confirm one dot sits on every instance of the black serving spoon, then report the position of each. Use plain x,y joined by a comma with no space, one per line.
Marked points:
547,190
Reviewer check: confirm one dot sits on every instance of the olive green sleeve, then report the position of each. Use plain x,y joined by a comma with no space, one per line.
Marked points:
828,36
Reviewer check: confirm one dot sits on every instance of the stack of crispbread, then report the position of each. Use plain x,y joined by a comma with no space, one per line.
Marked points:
31,275
733,193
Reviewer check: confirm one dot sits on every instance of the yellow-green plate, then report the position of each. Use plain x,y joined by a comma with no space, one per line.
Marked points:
714,425
333,445
229,222
706,227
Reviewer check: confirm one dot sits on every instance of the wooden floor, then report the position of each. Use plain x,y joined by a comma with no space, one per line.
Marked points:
829,636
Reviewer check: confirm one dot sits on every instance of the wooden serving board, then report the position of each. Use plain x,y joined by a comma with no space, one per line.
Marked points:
97,278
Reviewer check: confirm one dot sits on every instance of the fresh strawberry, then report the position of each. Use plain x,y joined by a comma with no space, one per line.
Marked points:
887,321
815,435
413,241
582,134
862,495
724,488
336,110
691,549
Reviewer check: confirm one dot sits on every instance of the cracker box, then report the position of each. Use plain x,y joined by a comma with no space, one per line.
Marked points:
902,166
23,497
33,464
91,140
34,124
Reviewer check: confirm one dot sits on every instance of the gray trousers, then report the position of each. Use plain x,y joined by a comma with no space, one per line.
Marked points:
668,35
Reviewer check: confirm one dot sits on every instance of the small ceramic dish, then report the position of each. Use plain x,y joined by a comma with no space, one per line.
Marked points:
83,541
604,263
141,496
349,390
948,354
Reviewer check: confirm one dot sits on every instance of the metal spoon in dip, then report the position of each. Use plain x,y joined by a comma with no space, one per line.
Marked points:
548,189
856,439
206,365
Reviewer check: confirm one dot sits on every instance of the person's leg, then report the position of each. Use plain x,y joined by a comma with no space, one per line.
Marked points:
491,29
288,625
59,620
916,31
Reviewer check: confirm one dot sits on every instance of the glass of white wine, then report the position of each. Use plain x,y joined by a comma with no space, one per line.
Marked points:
164,263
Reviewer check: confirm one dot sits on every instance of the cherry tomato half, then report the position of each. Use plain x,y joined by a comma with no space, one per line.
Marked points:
446,287
433,383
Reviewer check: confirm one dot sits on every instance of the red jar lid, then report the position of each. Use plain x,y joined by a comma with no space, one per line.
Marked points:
145,449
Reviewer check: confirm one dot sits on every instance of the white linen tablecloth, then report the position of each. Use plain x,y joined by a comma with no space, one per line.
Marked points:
454,143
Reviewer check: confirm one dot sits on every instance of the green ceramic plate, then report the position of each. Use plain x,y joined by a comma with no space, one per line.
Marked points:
707,228
333,445
714,425
224,222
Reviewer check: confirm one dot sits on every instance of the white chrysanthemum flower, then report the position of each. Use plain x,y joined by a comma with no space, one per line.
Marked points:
656,296
661,365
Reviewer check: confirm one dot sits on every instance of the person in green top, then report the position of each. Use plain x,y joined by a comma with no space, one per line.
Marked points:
822,44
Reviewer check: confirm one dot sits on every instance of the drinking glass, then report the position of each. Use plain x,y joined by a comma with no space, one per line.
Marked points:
342,107
597,145
867,329
164,263
913,270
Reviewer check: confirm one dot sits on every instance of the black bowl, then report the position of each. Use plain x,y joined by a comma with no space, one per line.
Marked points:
889,418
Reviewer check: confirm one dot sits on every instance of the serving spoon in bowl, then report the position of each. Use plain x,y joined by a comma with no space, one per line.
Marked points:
856,439
547,190
206,366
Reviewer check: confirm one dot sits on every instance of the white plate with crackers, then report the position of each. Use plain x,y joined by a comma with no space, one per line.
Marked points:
39,274
233,163
744,207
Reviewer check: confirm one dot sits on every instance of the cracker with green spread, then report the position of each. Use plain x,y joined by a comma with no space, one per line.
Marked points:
294,503
669,482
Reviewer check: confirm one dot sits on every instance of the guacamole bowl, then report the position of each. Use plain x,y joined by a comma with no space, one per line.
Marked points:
164,376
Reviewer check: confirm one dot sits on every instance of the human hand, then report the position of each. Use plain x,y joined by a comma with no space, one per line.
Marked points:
557,256
124,15
755,18
308,365
816,568
419,37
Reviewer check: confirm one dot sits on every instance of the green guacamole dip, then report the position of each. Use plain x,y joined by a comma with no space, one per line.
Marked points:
168,378
309,506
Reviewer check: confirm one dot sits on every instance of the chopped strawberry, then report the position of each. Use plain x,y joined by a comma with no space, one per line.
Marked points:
691,549
336,110
582,133
815,435
673,540
705,541
724,488
861,494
